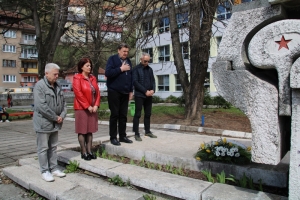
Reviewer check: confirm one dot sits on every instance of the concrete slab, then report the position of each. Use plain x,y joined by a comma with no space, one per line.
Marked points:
11,192
177,149
79,193
227,192
170,184
98,166
105,188
30,178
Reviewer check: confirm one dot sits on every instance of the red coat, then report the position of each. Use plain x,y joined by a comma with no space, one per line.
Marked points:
83,92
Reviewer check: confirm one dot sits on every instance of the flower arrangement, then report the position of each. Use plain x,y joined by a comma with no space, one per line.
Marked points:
224,151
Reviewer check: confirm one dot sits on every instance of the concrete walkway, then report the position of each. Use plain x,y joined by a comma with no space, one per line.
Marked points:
17,140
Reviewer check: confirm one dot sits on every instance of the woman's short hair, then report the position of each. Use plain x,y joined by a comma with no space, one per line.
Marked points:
51,66
82,62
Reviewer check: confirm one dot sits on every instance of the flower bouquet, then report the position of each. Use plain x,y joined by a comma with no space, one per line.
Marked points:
224,151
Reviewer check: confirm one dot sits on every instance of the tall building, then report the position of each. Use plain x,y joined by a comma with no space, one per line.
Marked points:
19,57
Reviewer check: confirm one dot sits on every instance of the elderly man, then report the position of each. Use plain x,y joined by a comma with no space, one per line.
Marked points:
144,88
49,111
119,88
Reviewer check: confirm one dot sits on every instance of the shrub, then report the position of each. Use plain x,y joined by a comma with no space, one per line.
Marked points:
171,99
156,99
221,102
181,101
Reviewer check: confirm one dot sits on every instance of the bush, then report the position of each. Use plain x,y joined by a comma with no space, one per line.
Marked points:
181,101
171,99
156,99
208,100
221,102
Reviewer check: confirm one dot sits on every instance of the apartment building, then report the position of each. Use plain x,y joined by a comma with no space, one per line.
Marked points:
18,58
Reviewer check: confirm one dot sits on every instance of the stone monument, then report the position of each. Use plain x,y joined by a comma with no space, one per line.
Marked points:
258,71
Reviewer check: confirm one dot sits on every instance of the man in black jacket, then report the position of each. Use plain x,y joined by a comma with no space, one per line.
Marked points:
144,88
119,88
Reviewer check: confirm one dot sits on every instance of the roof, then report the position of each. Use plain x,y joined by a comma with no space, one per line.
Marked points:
74,70
17,24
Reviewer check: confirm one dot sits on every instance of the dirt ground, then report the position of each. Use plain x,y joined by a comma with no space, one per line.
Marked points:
216,119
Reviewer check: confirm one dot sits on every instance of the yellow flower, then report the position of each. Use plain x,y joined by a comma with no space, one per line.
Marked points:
216,143
198,158
224,140
202,146
230,144
248,148
207,150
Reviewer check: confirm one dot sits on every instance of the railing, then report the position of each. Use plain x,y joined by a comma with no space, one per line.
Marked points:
28,56
28,42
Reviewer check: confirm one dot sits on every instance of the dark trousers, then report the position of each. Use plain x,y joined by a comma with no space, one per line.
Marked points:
139,104
118,106
4,113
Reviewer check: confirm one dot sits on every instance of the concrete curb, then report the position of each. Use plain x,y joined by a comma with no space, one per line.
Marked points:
220,132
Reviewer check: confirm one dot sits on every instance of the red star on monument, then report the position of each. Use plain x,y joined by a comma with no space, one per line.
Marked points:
283,43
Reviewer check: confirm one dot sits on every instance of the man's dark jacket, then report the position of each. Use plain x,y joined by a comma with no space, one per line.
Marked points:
139,81
116,79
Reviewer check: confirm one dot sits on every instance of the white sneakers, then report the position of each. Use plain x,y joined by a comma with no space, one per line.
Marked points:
47,176
7,120
58,173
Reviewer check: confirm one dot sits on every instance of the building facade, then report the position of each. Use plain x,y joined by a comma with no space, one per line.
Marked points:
19,64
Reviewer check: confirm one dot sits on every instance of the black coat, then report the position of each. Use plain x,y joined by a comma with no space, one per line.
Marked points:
139,81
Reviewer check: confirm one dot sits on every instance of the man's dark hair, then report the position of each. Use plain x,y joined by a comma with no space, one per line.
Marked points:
123,45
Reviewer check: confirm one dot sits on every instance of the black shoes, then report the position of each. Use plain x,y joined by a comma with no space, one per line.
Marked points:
125,139
92,155
115,142
86,156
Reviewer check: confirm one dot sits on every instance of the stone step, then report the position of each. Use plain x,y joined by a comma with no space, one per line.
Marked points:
178,149
165,183
74,186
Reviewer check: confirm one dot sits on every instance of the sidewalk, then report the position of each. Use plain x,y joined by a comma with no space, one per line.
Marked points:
17,140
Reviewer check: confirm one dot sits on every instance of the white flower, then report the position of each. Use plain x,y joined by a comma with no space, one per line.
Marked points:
228,153
218,153
223,154
237,155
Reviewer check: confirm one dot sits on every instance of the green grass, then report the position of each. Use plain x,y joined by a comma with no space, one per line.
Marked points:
174,110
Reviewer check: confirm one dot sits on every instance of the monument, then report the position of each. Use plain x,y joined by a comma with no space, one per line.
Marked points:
258,71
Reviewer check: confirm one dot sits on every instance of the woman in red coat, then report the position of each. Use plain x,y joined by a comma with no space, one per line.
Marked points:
86,104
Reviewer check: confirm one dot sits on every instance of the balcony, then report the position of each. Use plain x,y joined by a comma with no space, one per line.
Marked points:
27,42
29,70
29,56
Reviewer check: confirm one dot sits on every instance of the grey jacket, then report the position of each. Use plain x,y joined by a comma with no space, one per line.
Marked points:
48,106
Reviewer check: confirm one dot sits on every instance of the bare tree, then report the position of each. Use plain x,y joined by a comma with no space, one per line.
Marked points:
199,29
49,18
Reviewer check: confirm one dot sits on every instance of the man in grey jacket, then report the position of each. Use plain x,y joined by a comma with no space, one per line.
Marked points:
50,109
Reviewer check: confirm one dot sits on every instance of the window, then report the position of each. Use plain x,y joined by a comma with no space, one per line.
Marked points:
31,79
9,78
29,37
185,50
164,53
10,34
9,63
80,31
150,52
29,65
147,28
164,25
9,48
80,24
178,2
178,86
163,82
109,14
223,11
182,19
244,1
